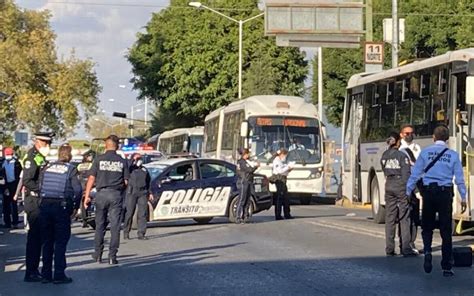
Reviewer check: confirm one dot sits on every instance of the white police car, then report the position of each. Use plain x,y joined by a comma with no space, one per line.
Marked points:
200,189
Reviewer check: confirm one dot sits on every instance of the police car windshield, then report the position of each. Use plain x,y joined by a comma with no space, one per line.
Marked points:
155,170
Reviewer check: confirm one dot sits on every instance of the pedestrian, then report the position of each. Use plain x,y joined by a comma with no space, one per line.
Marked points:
396,167
110,174
436,166
83,168
33,162
10,170
60,193
245,171
280,170
412,150
137,196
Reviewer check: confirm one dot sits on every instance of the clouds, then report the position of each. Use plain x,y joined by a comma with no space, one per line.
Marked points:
103,33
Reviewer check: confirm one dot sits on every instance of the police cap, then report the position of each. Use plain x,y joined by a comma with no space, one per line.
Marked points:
45,136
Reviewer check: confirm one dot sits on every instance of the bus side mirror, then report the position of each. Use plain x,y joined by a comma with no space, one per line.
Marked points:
323,130
244,129
470,90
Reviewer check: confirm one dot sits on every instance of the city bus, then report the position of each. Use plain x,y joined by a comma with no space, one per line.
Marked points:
425,93
265,124
182,140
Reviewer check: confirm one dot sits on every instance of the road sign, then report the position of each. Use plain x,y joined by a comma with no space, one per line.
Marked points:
314,17
388,30
21,138
373,53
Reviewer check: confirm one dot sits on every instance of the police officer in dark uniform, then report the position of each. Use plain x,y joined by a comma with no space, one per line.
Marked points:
60,194
396,168
245,171
138,194
33,162
83,168
437,165
110,174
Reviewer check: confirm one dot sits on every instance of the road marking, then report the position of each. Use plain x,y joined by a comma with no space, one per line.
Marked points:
14,267
344,227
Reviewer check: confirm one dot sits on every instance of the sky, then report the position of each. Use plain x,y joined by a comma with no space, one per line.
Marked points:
104,30
103,33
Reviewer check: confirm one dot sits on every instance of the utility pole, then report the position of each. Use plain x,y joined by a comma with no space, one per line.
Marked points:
320,83
369,35
394,33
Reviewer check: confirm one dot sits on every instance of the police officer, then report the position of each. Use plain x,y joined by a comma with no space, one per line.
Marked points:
281,169
83,168
396,168
138,194
437,165
33,162
245,182
60,193
412,150
110,174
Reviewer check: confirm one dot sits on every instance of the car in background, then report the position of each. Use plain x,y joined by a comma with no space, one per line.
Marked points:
201,189
147,152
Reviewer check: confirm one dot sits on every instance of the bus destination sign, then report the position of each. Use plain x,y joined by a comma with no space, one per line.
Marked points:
296,122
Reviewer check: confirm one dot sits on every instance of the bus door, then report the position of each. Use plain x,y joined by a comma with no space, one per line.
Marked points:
352,143
463,133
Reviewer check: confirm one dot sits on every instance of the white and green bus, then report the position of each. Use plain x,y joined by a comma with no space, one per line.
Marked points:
265,124
425,93
181,140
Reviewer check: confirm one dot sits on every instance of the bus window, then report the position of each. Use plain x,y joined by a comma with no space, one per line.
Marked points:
390,92
443,81
425,85
406,90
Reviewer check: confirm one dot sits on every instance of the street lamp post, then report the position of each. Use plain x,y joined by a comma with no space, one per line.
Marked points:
241,23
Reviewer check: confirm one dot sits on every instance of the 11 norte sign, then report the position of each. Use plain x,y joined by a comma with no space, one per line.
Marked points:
373,53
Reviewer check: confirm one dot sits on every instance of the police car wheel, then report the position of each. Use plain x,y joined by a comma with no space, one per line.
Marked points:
204,220
233,209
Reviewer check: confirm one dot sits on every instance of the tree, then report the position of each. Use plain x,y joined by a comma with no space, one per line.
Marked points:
102,126
187,60
430,30
46,93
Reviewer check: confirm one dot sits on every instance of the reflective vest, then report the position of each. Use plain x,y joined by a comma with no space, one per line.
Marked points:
55,182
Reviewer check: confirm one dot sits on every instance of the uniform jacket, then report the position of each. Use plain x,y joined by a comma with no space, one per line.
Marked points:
280,167
443,171
32,165
139,182
245,170
17,170
395,163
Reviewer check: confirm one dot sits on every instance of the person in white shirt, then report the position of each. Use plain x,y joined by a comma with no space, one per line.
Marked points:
281,170
296,145
412,150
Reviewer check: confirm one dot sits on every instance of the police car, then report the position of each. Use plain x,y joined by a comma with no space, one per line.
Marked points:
201,189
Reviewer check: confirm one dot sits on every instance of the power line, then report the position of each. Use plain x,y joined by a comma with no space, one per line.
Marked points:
137,5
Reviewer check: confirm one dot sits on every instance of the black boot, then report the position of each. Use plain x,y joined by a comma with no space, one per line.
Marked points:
97,257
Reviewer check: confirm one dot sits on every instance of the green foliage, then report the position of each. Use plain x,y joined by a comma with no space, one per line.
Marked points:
430,30
187,61
46,92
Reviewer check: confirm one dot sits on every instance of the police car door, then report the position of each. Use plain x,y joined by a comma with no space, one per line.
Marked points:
220,176
176,189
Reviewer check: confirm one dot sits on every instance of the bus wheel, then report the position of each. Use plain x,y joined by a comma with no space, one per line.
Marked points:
204,220
305,200
378,211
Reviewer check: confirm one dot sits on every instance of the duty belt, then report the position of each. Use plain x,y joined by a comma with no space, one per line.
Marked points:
394,176
435,186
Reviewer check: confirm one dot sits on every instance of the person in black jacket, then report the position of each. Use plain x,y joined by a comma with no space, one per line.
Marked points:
138,194
245,171
396,167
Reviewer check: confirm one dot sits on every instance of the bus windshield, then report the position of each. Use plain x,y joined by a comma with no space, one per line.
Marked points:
301,136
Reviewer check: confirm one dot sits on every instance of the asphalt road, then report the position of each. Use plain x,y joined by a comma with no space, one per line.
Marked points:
326,250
